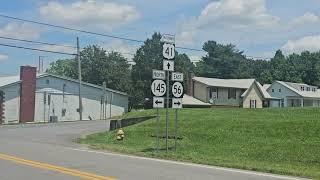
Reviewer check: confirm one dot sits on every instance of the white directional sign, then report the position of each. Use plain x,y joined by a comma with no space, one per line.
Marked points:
168,65
176,103
177,76
168,38
158,102
157,74
158,87
177,89
168,51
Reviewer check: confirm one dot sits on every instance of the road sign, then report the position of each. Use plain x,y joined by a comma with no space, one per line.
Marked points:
177,76
158,102
168,38
168,65
158,74
177,89
176,103
158,87
168,51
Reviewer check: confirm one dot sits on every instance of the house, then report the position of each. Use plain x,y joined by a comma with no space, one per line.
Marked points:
294,94
246,93
33,97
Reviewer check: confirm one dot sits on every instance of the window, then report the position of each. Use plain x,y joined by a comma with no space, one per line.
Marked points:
302,88
47,81
279,90
213,93
314,89
232,93
308,88
272,90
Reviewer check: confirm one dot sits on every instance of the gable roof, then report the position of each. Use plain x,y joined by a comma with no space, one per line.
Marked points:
307,94
263,92
229,83
10,80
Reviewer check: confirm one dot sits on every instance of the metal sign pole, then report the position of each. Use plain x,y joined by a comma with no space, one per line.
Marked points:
158,129
167,112
176,130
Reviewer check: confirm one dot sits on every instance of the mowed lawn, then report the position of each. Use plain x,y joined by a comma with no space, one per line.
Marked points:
282,141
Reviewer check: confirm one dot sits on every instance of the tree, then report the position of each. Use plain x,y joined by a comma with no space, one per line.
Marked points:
222,61
148,57
97,67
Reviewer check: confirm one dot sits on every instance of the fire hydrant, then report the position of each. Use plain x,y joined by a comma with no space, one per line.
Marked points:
120,134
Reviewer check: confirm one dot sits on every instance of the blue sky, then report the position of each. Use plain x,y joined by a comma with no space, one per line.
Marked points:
257,27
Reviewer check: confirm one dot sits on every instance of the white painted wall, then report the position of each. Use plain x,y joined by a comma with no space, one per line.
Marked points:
91,100
11,104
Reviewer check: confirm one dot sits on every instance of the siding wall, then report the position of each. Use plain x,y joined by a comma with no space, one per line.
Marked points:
200,91
11,103
116,103
223,99
253,94
285,92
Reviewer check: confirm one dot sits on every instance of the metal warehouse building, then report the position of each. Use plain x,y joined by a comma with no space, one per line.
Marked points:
33,97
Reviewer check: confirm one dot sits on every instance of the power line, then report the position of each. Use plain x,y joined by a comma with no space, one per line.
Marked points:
98,34
87,32
71,29
35,49
36,42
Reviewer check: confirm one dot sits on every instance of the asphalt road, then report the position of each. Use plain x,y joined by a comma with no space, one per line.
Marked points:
46,151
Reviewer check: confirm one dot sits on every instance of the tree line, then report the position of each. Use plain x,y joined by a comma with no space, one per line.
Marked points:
220,61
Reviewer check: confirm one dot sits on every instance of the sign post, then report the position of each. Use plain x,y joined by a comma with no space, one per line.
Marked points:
160,88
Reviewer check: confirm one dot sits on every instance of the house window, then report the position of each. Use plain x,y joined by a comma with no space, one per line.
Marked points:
308,88
232,93
314,89
63,113
47,82
302,88
272,90
213,93
279,90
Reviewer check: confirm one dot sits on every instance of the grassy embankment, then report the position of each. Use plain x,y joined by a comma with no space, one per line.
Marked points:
283,141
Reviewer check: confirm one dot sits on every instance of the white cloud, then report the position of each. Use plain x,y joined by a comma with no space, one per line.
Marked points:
20,30
106,15
237,14
307,18
228,16
308,43
65,48
120,46
3,58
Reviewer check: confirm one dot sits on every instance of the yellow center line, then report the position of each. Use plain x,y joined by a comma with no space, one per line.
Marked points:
59,169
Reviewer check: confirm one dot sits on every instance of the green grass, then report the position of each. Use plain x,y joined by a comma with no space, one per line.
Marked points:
282,141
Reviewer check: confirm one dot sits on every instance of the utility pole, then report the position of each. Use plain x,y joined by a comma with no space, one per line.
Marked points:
79,73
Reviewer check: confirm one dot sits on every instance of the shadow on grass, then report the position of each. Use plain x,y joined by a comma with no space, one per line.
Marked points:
155,150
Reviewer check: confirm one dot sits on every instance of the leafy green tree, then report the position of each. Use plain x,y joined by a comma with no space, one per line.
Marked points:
97,67
148,57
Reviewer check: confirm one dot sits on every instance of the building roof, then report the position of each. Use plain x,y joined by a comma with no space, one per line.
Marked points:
266,86
263,91
230,83
191,101
306,94
9,80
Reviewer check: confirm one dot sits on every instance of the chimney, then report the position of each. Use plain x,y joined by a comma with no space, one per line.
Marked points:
190,83
27,93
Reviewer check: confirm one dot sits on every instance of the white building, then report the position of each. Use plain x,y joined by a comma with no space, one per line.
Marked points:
45,97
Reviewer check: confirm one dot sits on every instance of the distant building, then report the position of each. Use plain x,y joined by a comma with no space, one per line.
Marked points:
46,98
294,94
246,93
